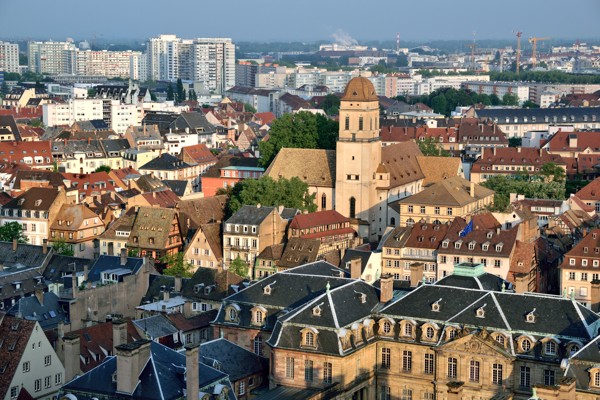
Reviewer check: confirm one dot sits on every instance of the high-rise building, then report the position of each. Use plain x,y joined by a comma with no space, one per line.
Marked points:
210,61
112,64
9,57
53,58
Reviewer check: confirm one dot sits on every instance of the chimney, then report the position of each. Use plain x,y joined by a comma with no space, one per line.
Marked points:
355,268
71,343
15,244
177,286
472,189
44,246
192,380
154,195
131,359
39,294
595,296
85,273
521,283
123,256
386,292
416,273
74,283
119,332
493,150
166,295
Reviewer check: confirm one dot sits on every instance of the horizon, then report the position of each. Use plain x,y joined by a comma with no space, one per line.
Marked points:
336,19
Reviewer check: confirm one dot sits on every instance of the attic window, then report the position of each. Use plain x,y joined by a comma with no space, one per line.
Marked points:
362,297
445,243
490,234
499,247
531,317
267,289
436,306
316,311
472,246
480,313
457,244
485,246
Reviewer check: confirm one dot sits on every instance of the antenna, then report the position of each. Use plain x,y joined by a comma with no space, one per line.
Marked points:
397,42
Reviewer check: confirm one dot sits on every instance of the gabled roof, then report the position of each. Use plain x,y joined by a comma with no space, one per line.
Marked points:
436,169
318,218
314,166
230,161
165,162
591,191
587,249
71,217
151,228
200,153
194,121
196,212
177,187
48,314
251,215
35,199
156,326
400,161
234,360
14,334
60,266
299,251
53,179
562,140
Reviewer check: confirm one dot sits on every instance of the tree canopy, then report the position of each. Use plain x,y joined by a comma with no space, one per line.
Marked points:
61,247
239,267
177,266
331,104
300,130
103,168
266,191
430,147
11,231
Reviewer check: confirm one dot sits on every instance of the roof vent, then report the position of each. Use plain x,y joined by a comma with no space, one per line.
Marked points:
530,317
436,305
268,289
316,311
480,313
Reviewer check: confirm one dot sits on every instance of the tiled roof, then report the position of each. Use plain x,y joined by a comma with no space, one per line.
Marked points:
196,212
591,191
230,161
452,192
299,251
71,217
561,141
35,199
483,243
521,156
587,249
318,218
17,151
15,334
314,166
436,169
400,160
427,236
199,153
163,198
91,184
152,228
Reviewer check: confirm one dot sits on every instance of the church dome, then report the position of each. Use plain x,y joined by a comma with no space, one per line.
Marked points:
360,89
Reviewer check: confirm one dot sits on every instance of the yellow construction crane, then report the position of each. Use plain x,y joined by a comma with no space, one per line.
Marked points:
533,41
518,58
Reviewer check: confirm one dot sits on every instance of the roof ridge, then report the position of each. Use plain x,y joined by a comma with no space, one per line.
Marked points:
467,307
332,307
501,311
151,359
587,327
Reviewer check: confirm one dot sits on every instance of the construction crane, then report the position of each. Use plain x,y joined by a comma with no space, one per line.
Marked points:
533,41
518,58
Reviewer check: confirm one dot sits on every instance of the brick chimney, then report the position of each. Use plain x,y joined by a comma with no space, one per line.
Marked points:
123,256
15,242
131,359
44,246
177,284
39,294
71,343
192,370
119,333
472,190
521,283
416,273
595,296
386,288
355,268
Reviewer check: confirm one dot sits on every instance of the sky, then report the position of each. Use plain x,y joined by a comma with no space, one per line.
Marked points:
298,20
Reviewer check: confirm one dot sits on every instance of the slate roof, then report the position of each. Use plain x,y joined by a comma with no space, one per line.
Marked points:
449,192
314,166
14,334
194,121
155,326
178,187
165,162
161,378
106,263
29,278
26,255
251,215
483,282
48,315
538,115
232,359
60,266
148,183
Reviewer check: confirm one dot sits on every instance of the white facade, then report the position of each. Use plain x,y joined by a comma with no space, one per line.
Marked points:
499,89
9,57
53,58
112,64
428,85
174,142
40,371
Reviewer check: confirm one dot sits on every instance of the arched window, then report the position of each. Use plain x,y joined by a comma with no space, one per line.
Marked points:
393,221
347,122
324,202
232,314
430,332
309,339
259,317
500,339
258,345
387,327
352,207
408,329
550,347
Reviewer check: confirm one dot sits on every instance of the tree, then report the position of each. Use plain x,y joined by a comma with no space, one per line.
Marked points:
531,186
429,147
239,267
292,193
177,266
510,99
515,142
103,168
4,89
552,172
92,92
530,104
331,104
495,99
439,104
180,92
11,231
61,247
249,108
327,132
170,93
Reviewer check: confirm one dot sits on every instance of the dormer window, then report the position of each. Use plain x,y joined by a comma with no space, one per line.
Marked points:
268,289
489,235
485,246
499,247
38,202
457,244
386,327
436,306
232,313
316,311
430,332
258,315
362,297
530,317
480,312
526,345
445,243
472,245
309,337
550,348
500,339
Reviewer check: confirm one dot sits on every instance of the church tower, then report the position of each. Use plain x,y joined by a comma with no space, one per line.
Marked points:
358,154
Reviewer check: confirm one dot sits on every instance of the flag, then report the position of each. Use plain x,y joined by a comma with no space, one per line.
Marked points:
467,229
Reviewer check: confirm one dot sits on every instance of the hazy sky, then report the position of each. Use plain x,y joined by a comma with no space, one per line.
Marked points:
303,20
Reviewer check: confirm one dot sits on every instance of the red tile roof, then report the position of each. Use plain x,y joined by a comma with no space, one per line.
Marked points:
587,249
163,198
265,117
518,156
97,182
200,154
591,191
583,140
17,151
24,112
14,333
319,218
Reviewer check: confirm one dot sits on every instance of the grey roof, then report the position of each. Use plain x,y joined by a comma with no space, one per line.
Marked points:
115,146
352,254
232,359
49,314
26,255
540,115
161,379
107,263
60,266
156,326
9,121
194,121
165,162
178,187
93,125
250,215
29,280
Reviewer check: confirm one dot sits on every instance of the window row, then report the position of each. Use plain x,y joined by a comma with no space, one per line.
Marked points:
326,375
